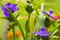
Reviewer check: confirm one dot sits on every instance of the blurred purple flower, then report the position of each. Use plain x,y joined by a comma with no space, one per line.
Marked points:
11,7
50,14
42,32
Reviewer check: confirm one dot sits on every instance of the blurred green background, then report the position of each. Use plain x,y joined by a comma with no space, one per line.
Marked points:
23,15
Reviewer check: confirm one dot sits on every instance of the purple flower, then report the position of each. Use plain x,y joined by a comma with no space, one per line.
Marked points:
42,32
11,7
50,14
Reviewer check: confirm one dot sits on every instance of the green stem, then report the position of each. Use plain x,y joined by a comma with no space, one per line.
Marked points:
27,27
14,32
38,37
21,31
41,16
16,21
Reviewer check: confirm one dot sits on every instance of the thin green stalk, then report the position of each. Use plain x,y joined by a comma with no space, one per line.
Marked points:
41,15
54,33
27,27
16,21
41,18
13,32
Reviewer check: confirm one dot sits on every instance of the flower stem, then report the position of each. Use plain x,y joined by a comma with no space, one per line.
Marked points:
41,15
13,32
45,38
27,27
16,21
38,37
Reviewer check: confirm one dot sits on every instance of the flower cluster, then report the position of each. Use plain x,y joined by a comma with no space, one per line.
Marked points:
12,8
42,32
50,14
